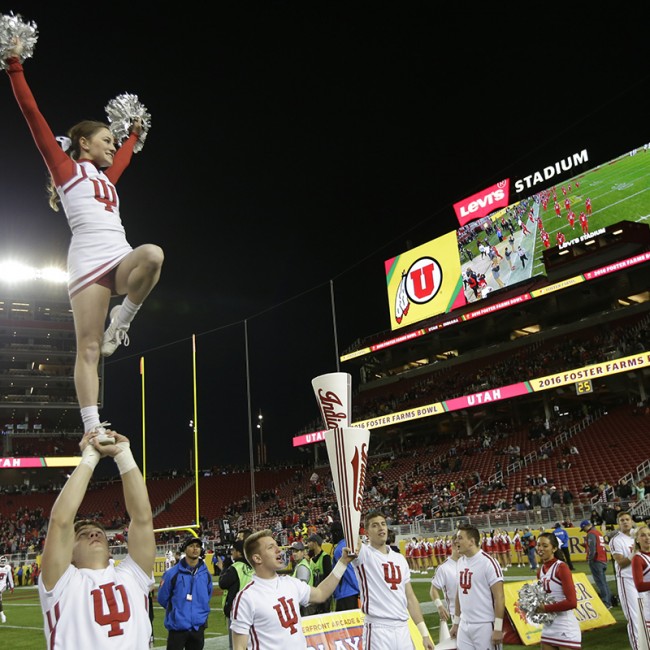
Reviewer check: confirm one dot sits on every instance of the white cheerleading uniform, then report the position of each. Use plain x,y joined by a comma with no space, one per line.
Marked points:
445,580
88,195
101,609
6,578
641,572
98,243
564,630
382,585
476,575
627,592
268,611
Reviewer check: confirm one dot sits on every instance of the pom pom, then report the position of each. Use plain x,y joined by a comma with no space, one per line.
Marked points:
13,27
531,596
121,112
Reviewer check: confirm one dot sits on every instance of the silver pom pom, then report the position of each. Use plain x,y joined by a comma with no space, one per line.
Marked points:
531,596
13,27
121,112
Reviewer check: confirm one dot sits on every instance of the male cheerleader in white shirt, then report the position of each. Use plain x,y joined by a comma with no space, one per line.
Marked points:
622,549
480,599
87,600
266,612
6,582
387,597
445,582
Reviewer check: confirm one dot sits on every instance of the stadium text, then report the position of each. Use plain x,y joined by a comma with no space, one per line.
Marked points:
548,172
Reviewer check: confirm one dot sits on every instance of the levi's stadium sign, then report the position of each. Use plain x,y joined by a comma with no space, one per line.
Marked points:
483,203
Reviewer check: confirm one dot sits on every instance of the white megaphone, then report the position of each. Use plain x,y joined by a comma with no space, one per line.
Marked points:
445,642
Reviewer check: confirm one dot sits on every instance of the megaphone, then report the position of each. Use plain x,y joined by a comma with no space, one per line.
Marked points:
445,642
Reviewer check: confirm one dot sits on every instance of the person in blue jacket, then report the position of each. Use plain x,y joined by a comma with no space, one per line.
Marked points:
346,594
185,591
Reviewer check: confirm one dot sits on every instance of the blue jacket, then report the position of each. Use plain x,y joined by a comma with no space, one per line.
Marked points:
562,537
176,585
348,585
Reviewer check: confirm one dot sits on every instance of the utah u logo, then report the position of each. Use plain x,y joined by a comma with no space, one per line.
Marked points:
286,610
105,193
114,616
466,580
392,575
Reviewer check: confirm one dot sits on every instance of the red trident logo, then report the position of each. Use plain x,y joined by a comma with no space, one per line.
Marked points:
392,575
466,580
286,611
114,616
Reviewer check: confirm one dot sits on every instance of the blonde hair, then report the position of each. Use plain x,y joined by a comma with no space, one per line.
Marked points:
252,543
85,129
636,536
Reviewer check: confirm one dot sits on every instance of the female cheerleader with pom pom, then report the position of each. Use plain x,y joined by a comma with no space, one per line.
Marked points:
84,169
563,631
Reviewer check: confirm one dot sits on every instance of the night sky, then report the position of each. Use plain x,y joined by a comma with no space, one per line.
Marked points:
294,147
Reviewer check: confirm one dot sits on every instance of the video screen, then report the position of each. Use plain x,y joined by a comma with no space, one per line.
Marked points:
506,247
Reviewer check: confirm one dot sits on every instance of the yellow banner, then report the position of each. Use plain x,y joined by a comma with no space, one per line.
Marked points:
336,630
590,612
594,371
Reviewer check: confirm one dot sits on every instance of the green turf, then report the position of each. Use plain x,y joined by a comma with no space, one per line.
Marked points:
24,627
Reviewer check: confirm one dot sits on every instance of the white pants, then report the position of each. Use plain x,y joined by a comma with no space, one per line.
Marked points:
387,637
476,636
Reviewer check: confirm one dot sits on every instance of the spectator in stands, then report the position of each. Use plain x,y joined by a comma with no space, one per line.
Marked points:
101,262
639,490
233,579
567,500
624,490
255,606
321,566
72,546
597,558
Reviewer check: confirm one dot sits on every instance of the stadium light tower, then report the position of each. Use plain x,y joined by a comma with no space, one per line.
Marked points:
261,450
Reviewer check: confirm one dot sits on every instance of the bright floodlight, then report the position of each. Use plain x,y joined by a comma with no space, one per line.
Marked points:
52,274
17,272
13,272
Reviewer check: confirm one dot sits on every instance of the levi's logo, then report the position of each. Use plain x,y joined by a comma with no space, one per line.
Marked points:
482,203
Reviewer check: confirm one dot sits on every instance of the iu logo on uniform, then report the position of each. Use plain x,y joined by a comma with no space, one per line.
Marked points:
392,575
465,580
114,616
287,613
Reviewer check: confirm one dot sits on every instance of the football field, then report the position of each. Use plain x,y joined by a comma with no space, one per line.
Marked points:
24,627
